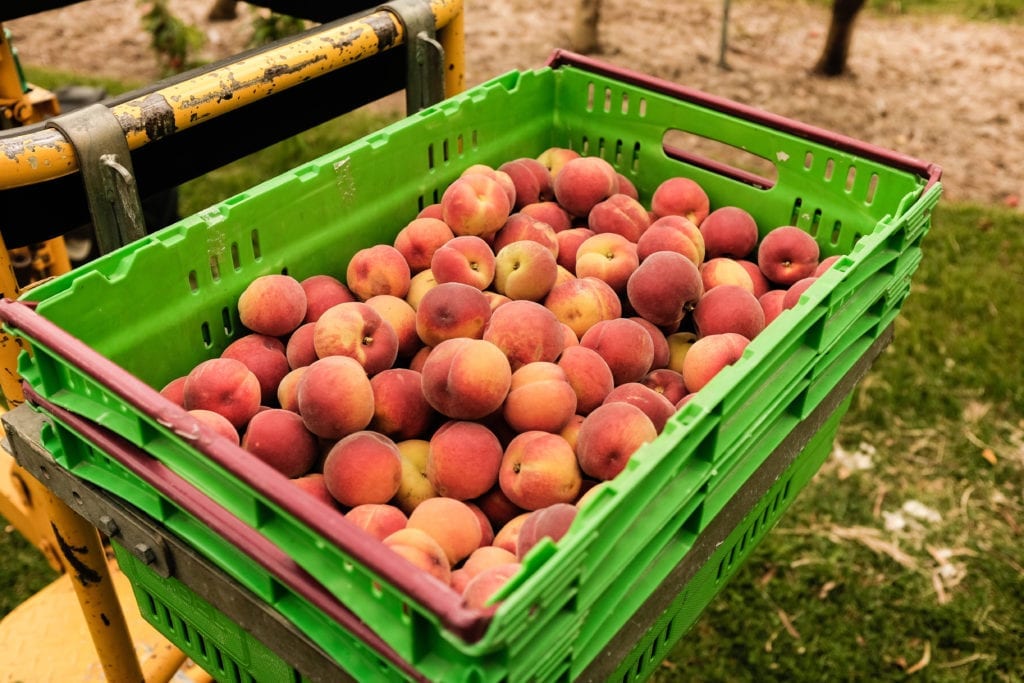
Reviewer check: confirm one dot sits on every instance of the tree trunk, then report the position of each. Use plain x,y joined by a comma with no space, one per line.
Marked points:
584,29
222,10
840,32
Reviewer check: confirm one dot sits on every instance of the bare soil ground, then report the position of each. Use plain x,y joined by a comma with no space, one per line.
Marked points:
941,89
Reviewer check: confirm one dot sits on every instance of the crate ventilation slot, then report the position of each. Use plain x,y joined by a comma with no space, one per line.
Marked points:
753,533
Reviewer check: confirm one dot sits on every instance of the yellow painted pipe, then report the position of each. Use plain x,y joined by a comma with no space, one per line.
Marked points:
45,154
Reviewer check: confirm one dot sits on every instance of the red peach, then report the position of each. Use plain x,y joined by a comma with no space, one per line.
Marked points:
463,460
728,308
656,406
549,212
582,302
419,239
313,485
498,508
531,178
450,522
825,264
422,551
401,316
796,290
467,259
772,304
414,487
299,350
539,398
729,231
400,409
521,226
554,158
501,177
680,196
609,436
380,520
334,397
273,305
363,467
421,283
218,422
551,522
355,329
287,390
174,391
380,269
322,292
661,236
723,270
787,254
620,214
225,386
525,270
507,536
667,382
589,376
569,241
265,357
665,288
466,379
658,338
757,278
709,355
525,331
625,345
583,182
475,204
452,310
539,469
279,438
627,187
480,590
607,256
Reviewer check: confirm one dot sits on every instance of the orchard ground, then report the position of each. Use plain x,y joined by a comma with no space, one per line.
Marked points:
935,87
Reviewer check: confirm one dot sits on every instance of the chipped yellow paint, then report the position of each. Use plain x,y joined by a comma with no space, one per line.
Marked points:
44,154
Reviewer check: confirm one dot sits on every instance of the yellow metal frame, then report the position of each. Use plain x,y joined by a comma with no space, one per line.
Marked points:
43,155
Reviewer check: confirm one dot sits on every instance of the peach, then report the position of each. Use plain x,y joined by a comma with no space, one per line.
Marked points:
551,522
420,283
554,158
494,299
380,269
539,469
655,405
287,390
486,529
334,397
729,231
609,436
174,390
658,338
420,549
531,178
592,493
772,304
486,556
475,204
452,310
664,289
686,228
355,329
419,358
218,423
401,316
507,535
414,486
583,302
625,345
450,522
299,350
363,467
569,241
279,438
679,344
322,292
607,256
225,386
313,485
548,212
583,182
501,177
570,338
787,254
667,382
498,509
466,379
757,278
619,214
722,270
401,411
626,186
521,226
825,264
571,431
525,331
273,305
564,275
432,211
419,239
662,236
265,357
480,590
463,460
380,520
728,308
539,398
796,290
680,196
709,355
588,374
525,270
465,258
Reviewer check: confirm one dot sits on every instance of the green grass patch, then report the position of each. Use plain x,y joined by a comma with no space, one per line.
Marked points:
23,569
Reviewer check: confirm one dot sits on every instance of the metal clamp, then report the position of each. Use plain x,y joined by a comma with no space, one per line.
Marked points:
106,167
425,56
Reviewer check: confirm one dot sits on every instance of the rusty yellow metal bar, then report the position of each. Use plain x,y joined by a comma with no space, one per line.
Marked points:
45,154
85,560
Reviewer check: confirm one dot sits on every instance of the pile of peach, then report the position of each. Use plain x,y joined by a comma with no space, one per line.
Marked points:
457,392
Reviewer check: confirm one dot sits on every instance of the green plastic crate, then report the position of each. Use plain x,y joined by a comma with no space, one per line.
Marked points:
129,322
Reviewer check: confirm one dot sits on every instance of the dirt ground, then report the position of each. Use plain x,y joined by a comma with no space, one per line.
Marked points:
940,89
